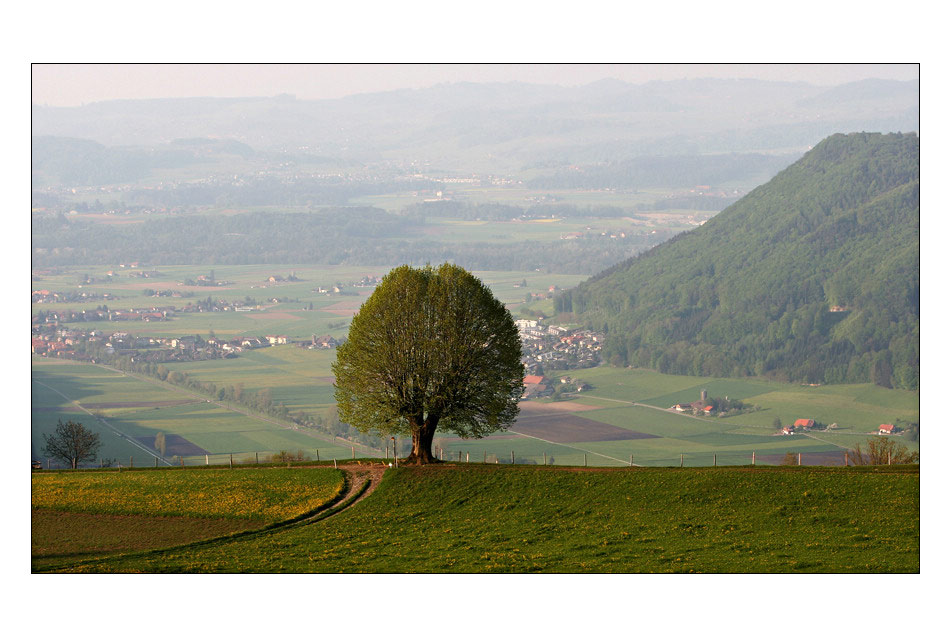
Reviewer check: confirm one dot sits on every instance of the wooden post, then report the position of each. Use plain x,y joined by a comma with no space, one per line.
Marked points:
753,458
334,462
353,452
799,459
846,458
230,460
318,453
460,455
714,459
255,459
207,460
441,453
512,457
466,457
681,460
631,460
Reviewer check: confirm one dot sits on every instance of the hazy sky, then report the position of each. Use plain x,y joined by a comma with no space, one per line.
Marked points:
75,84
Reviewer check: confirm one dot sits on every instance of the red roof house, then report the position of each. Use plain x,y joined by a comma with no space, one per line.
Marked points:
803,423
886,429
533,380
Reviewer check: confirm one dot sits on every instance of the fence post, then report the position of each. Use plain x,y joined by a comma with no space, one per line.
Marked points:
156,462
460,455
441,454
512,457
846,458
631,460
334,462
753,458
714,459
681,460
318,453
544,458
207,460
799,459
466,456
353,452
585,459
230,460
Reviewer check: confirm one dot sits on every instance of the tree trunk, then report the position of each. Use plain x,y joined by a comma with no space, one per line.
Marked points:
423,432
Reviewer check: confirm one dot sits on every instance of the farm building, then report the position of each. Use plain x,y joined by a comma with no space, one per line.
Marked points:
803,423
886,429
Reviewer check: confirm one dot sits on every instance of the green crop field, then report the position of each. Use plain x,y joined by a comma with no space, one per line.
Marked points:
75,514
289,315
472,519
302,380
128,411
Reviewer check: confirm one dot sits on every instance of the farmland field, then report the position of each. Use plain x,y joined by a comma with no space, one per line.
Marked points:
600,427
470,519
78,513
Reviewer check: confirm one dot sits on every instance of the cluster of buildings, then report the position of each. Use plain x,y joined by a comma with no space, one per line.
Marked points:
79,345
557,347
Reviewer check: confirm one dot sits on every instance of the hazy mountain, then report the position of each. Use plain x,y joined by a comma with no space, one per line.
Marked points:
814,276
470,126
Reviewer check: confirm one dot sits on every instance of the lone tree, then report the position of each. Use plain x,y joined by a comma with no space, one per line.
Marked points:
72,443
430,349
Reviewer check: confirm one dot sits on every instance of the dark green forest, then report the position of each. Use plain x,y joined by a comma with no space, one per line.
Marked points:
812,277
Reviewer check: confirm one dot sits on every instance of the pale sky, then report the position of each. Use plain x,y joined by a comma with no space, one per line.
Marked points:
75,84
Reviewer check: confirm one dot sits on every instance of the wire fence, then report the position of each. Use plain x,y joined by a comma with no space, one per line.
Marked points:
561,456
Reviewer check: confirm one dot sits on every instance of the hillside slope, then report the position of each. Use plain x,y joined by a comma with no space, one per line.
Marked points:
814,276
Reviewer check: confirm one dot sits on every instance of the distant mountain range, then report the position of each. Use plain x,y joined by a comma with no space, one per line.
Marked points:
508,126
812,277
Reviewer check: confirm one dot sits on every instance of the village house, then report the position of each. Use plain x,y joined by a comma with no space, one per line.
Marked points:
886,429
536,387
806,424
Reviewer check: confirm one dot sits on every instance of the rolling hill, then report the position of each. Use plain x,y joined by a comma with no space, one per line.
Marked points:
813,277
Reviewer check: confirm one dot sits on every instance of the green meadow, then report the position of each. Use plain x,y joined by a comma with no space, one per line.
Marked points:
301,379
524,519
283,308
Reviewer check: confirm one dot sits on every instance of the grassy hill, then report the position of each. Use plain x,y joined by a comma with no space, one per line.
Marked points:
478,518
812,277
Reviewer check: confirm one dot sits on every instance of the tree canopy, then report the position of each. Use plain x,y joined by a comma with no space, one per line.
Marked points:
432,348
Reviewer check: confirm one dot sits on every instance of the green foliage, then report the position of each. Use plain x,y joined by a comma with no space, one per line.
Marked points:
431,348
752,291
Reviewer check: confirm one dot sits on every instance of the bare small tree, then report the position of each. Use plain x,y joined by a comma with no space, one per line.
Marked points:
72,443
882,450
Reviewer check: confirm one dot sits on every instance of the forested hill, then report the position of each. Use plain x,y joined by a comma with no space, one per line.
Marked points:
812,277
